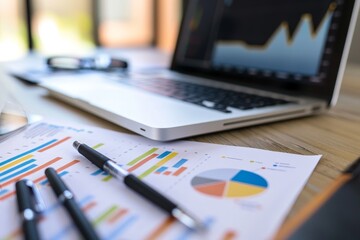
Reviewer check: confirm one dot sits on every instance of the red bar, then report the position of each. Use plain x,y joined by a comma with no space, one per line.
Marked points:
139,164
6,196
54,144
167,173
15,234
89,206
118,215
31,172
58,170
161,229
179,171
229,235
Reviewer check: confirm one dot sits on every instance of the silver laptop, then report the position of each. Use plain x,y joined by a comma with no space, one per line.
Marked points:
237,63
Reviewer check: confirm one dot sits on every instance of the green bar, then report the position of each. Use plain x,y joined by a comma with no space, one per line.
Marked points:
98,145
103,216
142,156
159,164
107,178
147,172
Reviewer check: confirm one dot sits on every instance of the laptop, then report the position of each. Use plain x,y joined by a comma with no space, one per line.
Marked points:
237,63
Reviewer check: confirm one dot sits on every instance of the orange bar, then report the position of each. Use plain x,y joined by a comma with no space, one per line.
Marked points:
67,165
179,171
167,173
229,235
31,172
161,229
139,164
14,234
39,179
54,144
118,215
57,170
89,206
6,196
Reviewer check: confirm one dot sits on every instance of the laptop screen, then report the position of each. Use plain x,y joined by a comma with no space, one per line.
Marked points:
290,43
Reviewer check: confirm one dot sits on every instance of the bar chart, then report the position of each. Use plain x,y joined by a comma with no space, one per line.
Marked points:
192,175
161,166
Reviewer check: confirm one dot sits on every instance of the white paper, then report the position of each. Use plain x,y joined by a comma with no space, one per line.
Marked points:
238,192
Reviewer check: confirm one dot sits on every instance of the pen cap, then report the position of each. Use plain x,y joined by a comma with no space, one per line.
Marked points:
55,181
23,194
94,156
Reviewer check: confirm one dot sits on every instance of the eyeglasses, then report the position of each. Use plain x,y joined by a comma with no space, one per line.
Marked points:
99,63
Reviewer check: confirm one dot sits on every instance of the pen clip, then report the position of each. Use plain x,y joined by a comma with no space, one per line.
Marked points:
38,200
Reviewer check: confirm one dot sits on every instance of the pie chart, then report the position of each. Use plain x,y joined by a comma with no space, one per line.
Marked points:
229,183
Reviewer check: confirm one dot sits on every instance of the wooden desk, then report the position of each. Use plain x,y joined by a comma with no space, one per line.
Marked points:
335,135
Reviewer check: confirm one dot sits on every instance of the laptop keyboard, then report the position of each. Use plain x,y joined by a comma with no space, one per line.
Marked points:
205,96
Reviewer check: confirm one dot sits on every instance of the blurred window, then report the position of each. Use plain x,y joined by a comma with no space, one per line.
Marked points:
62,27
68,27
126,22
169,17
12,30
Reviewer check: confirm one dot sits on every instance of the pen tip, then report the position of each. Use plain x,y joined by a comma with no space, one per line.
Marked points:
188,220
76,145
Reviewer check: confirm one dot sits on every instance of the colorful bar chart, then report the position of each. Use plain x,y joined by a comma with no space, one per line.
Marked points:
157,165
142,162
133,162
25,164
14,163
26,172
38,180
159,168
9,170
27,152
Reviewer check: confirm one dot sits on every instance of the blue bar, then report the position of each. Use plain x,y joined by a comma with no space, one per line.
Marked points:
18,172
27,152
160,170
16,167
3,191
85,200
97,172
66,230
188,233
122,227
82,202
51,208
60,174
179,163
164,154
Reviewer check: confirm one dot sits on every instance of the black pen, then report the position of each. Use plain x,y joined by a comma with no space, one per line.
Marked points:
30,205
138,186
66,197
